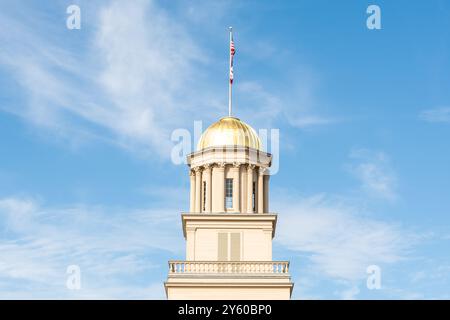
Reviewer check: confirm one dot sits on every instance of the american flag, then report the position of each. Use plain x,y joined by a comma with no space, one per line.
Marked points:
232,51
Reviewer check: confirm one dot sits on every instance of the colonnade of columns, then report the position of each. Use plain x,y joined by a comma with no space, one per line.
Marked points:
250,192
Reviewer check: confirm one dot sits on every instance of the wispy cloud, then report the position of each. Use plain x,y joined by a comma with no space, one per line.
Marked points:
342,240
130,82
436,115
374,170
307,121
127,86
337,240
112,246
299,107
350,293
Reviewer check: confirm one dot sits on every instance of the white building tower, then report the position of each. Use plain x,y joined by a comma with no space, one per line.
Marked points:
229,228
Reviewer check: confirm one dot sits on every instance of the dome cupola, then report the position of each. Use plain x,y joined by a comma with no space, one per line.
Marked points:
229,131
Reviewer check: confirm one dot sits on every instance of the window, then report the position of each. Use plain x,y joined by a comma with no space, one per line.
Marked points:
235,246
204,195
229,246
223,246
254,197
228,193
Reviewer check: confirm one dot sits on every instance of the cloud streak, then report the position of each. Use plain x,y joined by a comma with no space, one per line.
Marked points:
128,86
336,240
341,241
436,115
373,170
130,80
112,247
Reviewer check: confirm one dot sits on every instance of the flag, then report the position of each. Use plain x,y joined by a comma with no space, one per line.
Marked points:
232,51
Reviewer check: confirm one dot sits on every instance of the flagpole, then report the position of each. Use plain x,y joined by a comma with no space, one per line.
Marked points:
229,81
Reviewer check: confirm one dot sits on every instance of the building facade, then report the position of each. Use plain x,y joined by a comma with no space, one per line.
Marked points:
229,228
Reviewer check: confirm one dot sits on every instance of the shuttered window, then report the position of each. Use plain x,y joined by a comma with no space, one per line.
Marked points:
235,246
223,246
229,246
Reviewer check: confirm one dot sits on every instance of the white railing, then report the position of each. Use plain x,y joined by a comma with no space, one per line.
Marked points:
190,267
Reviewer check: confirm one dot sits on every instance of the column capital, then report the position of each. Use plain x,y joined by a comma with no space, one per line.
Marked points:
263,170
251,167
197,169
207,167
220,165
192,172
236,165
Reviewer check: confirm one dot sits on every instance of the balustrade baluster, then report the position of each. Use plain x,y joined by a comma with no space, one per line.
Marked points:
281,267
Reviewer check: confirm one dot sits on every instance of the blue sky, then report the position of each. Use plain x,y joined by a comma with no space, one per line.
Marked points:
86,118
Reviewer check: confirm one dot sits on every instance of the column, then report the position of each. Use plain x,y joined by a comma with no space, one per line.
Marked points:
192,191
221,186
214,199
236,185
250,168
207,173
260,190
198,188
243,189
218,191
266,192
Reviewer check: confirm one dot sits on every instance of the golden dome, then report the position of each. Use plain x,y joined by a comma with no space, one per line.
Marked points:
229,131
